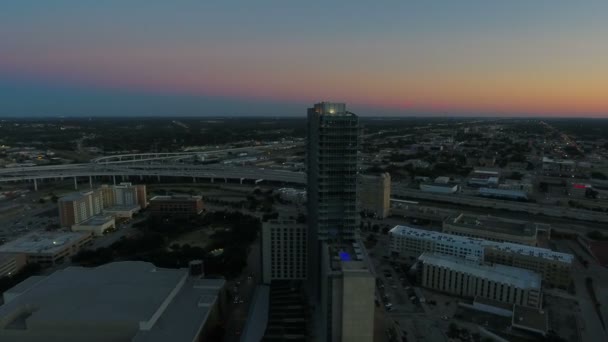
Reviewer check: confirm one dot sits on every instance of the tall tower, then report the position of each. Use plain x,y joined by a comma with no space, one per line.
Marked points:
333,216
333,143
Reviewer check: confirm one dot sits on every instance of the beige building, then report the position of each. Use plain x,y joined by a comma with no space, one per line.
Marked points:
466,278
284,250
347,293
494,228
375,194
78,207
47,248
555,267
11,263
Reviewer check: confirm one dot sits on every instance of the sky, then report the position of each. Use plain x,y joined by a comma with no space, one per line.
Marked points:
215,58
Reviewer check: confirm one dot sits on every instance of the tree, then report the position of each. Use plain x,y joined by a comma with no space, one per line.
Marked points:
598,175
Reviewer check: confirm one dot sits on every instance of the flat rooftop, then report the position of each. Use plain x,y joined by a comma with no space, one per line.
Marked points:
119,296
442,185
517,277
347,256
74,196
494,224
97,220
42,242
463,240
529,318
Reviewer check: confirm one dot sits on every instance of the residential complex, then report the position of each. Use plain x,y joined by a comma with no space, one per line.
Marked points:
183,205
375,194
78,207
347,293
47,248
467,278
284,250
120,301
554,267
494,228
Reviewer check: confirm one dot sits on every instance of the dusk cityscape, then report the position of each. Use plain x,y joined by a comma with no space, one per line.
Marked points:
401,171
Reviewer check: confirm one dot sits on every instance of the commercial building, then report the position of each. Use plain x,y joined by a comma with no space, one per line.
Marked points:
11,263
502,194
183,205
284,250
467,278
97,225
494,228
484,178
121,301
558,166
523,186
375,194
554,267
78,207
347,293
47,248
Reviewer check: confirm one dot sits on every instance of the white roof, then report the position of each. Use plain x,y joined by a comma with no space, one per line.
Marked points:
42,242
463,240
517,277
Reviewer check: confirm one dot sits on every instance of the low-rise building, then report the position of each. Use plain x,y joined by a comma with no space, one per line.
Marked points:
96,225
11,263
121,301
375,194
554,267
284,250
467,278
493,228
440,188
181,205
47,248
484,178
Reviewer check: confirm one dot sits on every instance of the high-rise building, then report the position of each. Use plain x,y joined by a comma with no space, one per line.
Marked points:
332,146
283,250
375,194
341,284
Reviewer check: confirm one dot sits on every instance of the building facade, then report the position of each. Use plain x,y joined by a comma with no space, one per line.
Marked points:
184,205
284,250
78,207
347,294
332,147
375,194
465,278
555,267
11,263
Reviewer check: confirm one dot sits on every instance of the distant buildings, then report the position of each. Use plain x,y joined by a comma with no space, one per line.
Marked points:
554,267
121,301
440,186
47,248
95,210
177,205
375,194
483,178
347,293
558,166
284,250
494,228
467,278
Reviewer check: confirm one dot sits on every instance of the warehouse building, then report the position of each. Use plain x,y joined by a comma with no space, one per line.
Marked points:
47,248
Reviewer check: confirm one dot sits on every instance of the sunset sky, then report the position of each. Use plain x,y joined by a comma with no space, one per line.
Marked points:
205,57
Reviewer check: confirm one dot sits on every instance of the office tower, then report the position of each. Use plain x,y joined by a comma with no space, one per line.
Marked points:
283,250
332,145
375,194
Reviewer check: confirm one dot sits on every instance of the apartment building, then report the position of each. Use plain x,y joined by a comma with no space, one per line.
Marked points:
466,278
284,250
375,194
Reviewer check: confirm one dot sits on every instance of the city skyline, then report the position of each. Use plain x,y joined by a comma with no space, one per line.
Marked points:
153,58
